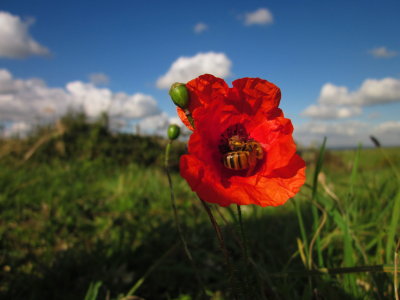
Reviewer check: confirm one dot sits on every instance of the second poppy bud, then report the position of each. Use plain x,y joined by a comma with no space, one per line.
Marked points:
173,132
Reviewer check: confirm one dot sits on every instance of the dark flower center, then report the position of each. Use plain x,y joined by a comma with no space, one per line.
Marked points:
239,152
236,130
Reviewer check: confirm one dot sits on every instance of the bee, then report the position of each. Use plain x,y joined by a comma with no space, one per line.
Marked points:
243,154
239,160
236,143
254,147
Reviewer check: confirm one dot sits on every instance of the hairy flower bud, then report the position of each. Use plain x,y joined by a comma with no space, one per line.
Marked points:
173,132
179,95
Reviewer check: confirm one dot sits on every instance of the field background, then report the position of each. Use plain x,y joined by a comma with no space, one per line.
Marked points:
86,214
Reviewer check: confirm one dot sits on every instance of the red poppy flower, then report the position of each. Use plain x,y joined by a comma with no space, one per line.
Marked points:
242,150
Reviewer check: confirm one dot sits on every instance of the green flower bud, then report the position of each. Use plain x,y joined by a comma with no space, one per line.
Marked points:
179,95
173,131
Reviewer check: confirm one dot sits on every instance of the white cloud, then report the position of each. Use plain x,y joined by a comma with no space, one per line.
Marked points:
348,133
375,91
135,106
390,127
7,85
383,52
332,94
347,128
262,16
372,91
18,129
388,133
92,100
99,78
15,40
187,68
31,100
339,134
338,102
158,124
200,27
331,112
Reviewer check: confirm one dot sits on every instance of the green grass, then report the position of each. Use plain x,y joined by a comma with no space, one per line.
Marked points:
91,228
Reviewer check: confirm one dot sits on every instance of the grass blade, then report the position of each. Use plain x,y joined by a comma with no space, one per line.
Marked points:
393,229
154,266
304,240
336,271
318,168
314,209
354,172
396,265
93,290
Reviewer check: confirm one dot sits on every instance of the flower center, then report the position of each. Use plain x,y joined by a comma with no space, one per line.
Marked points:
239,151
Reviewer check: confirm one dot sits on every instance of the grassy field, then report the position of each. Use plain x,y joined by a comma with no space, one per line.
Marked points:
79,224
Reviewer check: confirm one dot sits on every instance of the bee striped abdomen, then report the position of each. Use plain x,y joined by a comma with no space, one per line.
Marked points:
237,160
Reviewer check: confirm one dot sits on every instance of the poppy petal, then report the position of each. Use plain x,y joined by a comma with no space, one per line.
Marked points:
259,95
203,90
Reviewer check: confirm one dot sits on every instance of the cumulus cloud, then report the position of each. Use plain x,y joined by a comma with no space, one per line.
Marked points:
383,52
135,106
388,133
31,100
187,68
337,102
348,128
15,40
347,133
372,91
331,112
375,91
392,127
339,134
332,94
88,98
200,27
99,78
18,129
27,100
261,16
158,124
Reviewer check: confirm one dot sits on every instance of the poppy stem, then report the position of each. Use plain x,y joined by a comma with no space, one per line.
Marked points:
242,234
245,256
176,217
189,117
223,248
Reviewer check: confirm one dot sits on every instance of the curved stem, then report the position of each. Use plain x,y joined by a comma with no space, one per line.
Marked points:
396,265
243,234
176,217
316,235
189,117
232,278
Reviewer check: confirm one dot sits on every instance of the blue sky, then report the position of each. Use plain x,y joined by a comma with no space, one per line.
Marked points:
337,63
